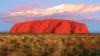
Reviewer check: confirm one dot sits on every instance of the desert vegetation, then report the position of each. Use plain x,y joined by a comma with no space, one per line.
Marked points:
49,44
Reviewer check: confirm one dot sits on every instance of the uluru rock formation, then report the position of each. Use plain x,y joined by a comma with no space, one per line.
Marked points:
50,26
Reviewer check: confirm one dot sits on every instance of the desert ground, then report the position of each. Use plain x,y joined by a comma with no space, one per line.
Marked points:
49,44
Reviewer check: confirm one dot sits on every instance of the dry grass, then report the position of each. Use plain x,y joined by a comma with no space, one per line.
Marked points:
49,44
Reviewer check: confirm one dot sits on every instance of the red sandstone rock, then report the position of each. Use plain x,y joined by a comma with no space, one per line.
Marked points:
50,26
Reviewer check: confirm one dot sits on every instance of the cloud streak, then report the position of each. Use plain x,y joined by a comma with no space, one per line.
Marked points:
67,9
64,8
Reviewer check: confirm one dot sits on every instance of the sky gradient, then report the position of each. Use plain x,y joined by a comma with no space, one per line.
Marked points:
91,17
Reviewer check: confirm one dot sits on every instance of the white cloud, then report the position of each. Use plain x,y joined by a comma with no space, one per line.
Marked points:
67,9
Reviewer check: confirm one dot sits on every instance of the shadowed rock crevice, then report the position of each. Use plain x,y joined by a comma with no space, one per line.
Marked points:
58,25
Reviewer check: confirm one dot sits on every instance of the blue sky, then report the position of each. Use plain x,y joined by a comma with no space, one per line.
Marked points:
7,6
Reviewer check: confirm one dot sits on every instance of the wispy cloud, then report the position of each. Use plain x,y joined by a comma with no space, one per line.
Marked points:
67,8
74,9
79,8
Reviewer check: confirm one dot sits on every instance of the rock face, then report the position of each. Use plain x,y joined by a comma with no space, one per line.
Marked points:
50,26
